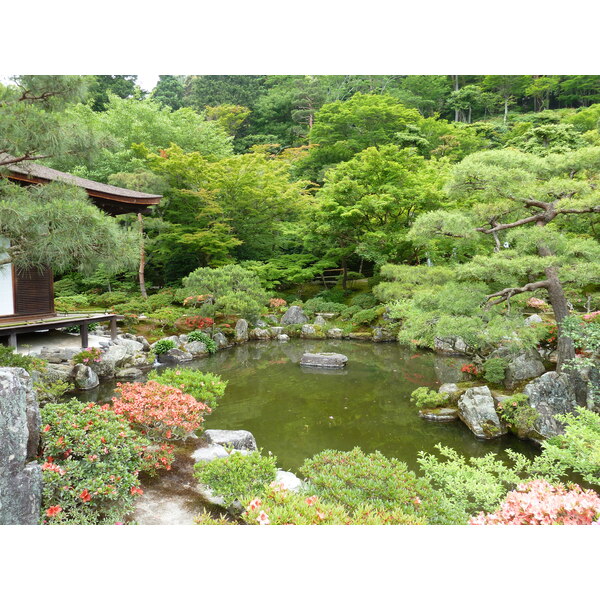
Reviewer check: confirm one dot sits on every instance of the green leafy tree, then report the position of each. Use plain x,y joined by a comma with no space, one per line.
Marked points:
123,86
229,116
507,86
368,204
169,91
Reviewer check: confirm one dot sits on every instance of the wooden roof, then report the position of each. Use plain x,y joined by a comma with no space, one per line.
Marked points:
30,172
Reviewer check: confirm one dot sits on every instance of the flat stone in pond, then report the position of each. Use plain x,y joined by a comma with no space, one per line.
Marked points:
209,453
441,415
239,439
327,360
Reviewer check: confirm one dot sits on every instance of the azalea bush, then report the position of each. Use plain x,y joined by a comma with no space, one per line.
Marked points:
424,397
354,479
88,356
196,322
204,387
237,475
161,411
278,506
199,336
91,459
277,303
540,503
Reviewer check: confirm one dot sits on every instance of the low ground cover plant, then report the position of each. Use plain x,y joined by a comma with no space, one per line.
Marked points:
354,479
88,356
516,411
237,475
204,387
278,506
494,369
162,412
91,459
425,397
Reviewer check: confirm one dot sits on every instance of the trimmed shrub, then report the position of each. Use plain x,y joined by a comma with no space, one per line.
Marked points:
237,475
424,397
494,369
204,387
199,336
163,346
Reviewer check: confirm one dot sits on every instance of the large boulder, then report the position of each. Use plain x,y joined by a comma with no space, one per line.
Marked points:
327,360
131,345
57,355
20,424
282,337
335,333
533,320
526,364
241,331
130,373
440,415
220,340
259,334
308,331
238,439
450,345
196,348
477,410
383,335
174,356
551,394
113,358
210,453
294,316
319,320
85,378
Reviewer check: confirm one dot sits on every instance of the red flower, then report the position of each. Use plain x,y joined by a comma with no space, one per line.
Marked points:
85,496
47,428
53,511
136,490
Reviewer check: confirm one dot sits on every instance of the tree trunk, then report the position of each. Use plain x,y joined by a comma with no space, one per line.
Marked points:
142,259
505,109
565,349
456,88
344,274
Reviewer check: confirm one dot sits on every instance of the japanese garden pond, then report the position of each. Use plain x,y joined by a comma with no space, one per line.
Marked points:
295,412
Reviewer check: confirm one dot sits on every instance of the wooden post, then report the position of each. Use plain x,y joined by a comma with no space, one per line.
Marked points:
113,328
84,335
12,340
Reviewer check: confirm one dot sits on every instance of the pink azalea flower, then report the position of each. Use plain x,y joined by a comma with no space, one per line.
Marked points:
263,518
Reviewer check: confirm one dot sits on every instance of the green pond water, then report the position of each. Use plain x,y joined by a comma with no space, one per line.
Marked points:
295,412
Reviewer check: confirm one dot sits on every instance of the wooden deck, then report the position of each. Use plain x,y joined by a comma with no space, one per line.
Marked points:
12,327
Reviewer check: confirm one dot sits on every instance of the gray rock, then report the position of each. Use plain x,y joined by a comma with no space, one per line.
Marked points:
174,356
85,378
320,321
533,319
20,482
527,364
196,348
551,394
208,495
114,357
276,330
382,335
220,340
328,360
130,373
294,316
57,355
144,342
282,337
261,324
183,338
451,345
241,331
259,334
448,389
441,415
209,453
308,331
132,346
335,333
238,439
289,480
477,410
363,336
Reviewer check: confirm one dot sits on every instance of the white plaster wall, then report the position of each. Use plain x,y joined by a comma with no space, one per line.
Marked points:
6,283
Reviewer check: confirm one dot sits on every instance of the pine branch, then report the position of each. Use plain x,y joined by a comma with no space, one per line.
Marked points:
507,293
